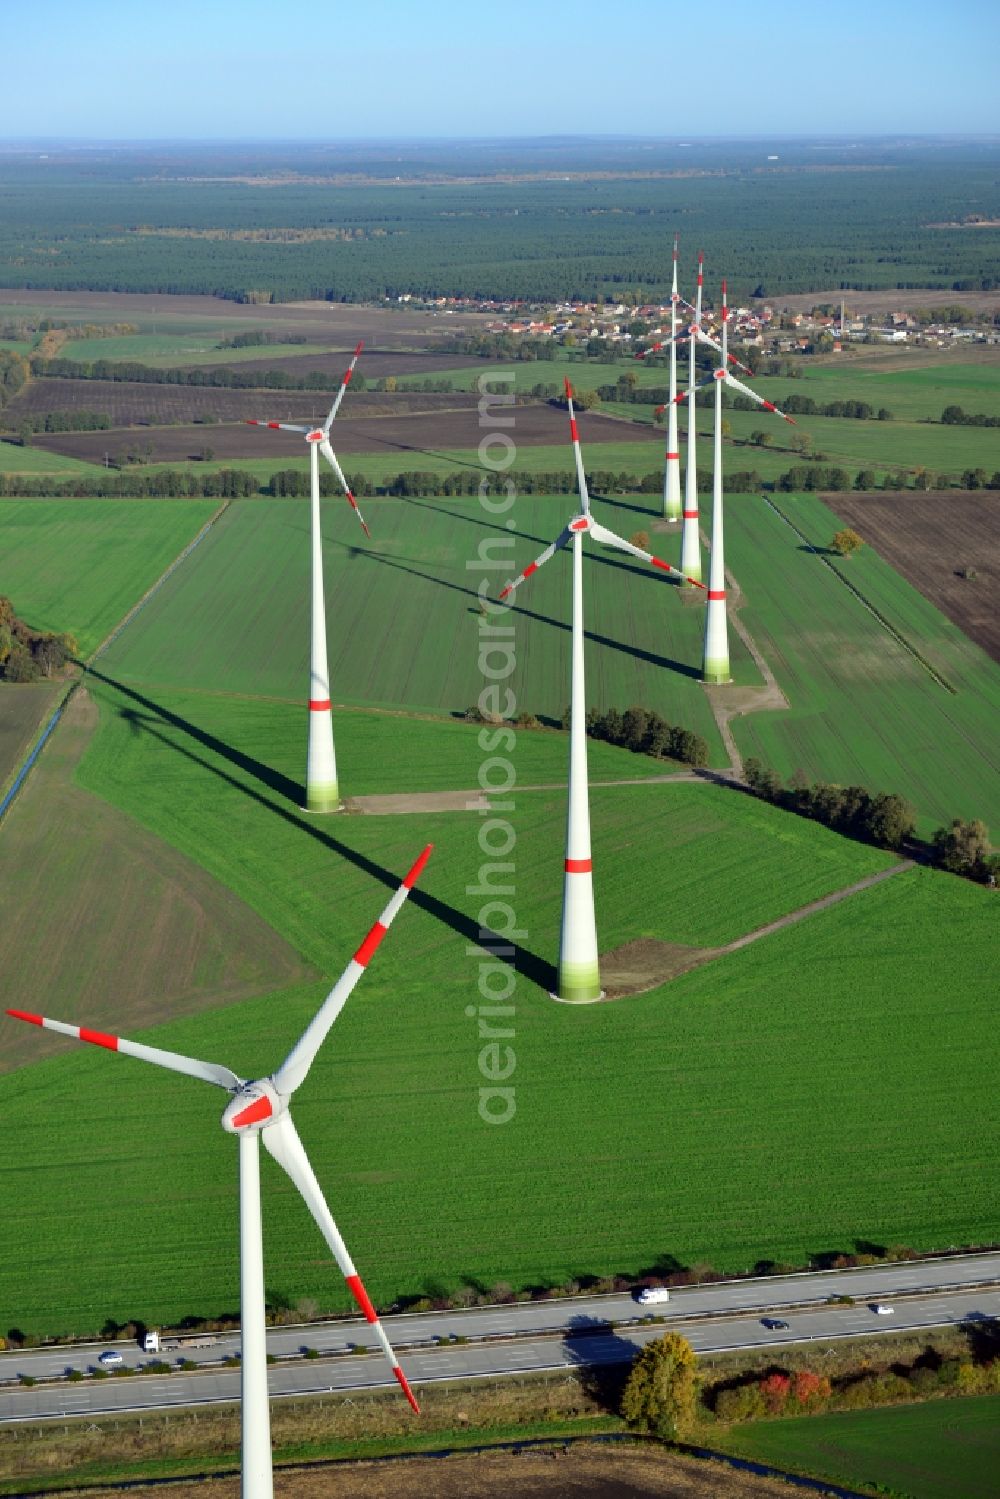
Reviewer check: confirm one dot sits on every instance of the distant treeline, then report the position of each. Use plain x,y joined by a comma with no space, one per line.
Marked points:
954,416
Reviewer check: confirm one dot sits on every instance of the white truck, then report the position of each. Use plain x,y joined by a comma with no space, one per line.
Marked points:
151,1342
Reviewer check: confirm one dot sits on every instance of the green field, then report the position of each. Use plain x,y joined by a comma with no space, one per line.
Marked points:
79,565
944,1449
15,459
404,620
391,1107
863,710
169,350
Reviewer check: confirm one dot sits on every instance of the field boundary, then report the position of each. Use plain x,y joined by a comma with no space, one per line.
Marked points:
27,765
886,624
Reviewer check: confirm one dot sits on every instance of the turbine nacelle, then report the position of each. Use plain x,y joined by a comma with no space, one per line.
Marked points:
253,1107
316,436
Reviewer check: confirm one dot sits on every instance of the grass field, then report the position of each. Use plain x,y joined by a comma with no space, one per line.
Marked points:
863,710
65,931
167,350
403,610
15,459
22,708
944,1449
399,1080
79,565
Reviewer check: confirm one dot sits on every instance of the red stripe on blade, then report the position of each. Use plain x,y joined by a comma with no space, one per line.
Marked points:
368,946
347,377
716,593
418,868
253,1113
405,1387
98,1038
23,1015
360,1295
532,567
358,349
569,388
574,434
578,866
276,425
665,565
318,704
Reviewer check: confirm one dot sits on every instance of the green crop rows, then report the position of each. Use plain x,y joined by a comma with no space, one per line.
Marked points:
79,565
863,709
942,1449
404,613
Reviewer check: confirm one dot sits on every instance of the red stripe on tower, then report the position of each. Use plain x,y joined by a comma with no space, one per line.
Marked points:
366,951
318,704
716,593
98,1038
360,1295
578,866
690,515
672,455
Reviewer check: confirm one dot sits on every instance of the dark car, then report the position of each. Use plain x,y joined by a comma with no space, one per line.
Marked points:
773,1324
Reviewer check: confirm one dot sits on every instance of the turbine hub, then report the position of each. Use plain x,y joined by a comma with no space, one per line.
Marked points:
252,1108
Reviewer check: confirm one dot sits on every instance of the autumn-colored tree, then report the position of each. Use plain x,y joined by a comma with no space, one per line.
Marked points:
661,1389
846,542
809,1388
775,1390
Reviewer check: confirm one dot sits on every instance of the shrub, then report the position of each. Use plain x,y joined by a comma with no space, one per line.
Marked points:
774,1391
744,1403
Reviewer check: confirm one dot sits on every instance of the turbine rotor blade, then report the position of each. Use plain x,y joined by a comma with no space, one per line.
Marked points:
206,1072
581,478
331,459
706,338
767,405
278,426
345,382
281,1141
533,567
601,533
295,1068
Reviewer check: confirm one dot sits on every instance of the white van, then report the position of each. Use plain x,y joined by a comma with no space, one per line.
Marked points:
151,1342
653,1295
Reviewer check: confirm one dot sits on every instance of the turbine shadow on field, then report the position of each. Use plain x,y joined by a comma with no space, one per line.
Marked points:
615,561
274,779
525,962
637,651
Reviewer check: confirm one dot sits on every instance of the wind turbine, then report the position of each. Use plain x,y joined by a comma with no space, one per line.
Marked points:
322,789
260,1109
579,980
672,470
715,662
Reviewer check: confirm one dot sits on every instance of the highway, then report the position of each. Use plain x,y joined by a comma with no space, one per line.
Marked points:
511,1339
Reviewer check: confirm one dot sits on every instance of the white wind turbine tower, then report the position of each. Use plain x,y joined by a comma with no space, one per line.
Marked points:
322,789
715,664
260,1109
579,980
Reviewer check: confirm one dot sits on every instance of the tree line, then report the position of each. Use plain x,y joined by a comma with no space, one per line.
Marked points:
955,416
885,819
26,654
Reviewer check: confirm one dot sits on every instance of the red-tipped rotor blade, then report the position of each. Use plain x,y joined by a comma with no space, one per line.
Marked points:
533,567
767,405
277,426
295,1068
345,382
331,459
206,1072
281,1141
581,478
609,538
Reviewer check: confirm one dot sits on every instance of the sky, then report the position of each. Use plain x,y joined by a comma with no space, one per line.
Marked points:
400,69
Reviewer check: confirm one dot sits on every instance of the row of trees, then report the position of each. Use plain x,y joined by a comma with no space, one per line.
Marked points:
645,733
64,421
888,820
954,416
26,654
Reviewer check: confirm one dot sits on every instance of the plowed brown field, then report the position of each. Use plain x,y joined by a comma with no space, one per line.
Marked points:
417,436
928,538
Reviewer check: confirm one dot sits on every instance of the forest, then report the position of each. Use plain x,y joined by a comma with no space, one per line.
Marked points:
261,229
